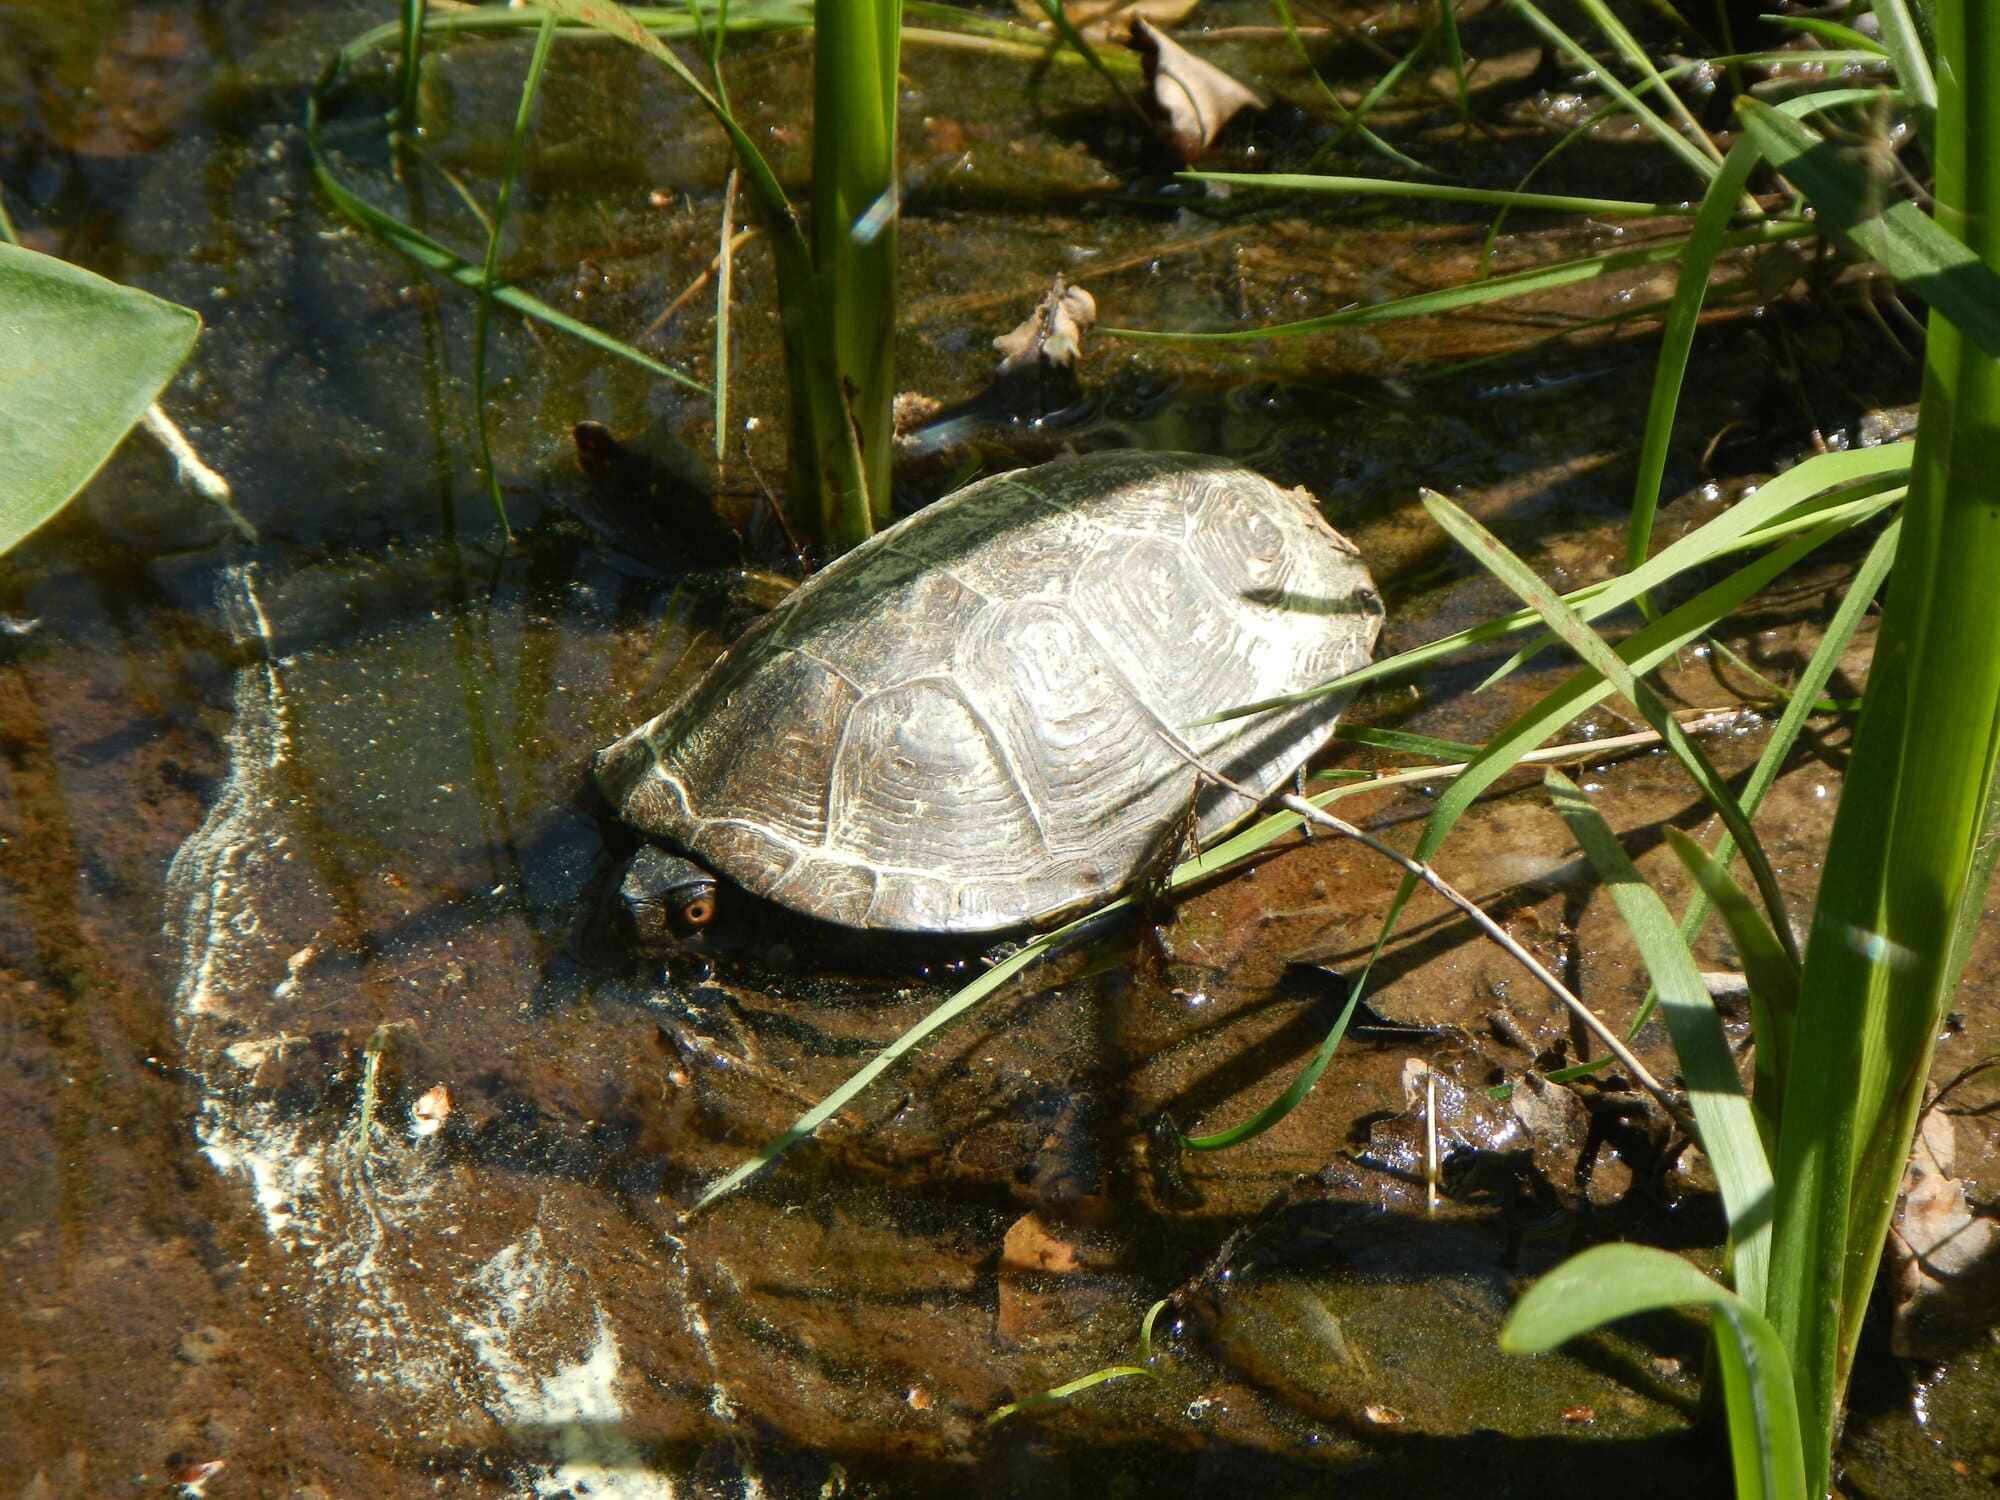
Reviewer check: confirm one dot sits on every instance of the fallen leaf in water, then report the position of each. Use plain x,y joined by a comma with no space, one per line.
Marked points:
1197,97
1053,332
1030,1246
1934,1241
1099,19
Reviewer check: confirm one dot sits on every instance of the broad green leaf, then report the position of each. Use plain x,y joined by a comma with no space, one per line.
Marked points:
1599,1286
85,358
1858,207
1610,1282
1729,1133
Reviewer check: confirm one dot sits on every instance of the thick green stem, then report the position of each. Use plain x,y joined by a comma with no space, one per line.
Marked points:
855,53
1902,869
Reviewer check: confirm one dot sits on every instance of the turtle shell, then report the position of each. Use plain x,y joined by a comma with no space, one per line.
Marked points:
976,720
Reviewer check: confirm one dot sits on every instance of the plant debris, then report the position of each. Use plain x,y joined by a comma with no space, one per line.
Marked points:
1196,97
1052,334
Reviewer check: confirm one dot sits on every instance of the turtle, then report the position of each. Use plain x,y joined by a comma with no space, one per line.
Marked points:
987,717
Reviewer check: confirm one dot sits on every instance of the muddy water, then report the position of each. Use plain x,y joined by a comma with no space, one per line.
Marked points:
337,1148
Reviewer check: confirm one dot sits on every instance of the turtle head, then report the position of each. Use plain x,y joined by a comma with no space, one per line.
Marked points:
666,900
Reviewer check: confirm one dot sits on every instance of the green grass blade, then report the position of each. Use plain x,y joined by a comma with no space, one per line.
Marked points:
854,235
1591,648
829,476
1349,120
1904,851
1703,164
1078,43
1600,1286
1677,338
1729,1132
1454,57
424,251
1905,44
1438,192
1610,1282
1534,725
409,74
1830,34
1408,744
944,1015
1893,232
489,275
1492,289
1745,526
725,298
1772,974
1641,62
1816,495
1805,695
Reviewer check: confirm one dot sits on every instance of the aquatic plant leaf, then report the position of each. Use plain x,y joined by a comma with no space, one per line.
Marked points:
1729,1134
85,358
1829,34
1904,43
1806,693
1677,340
1196,96
1772,973
1893,232
1703,163
1354,121
1847,487
1631,685
1609,1282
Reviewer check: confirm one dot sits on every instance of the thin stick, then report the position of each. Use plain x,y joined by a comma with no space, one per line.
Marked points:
1300,808
725,259
1493,930
693,288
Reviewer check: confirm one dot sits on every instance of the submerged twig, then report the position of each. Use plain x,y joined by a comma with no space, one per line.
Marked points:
693,289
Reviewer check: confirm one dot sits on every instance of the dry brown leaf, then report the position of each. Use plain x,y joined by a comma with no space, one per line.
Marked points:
1030,1246
1197,97
1053,332
1099,19
1935,1238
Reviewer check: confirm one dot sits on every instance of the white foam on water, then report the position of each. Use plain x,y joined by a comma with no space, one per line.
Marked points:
342,1200
575,1407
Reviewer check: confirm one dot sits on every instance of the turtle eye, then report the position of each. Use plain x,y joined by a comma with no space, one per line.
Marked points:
691,907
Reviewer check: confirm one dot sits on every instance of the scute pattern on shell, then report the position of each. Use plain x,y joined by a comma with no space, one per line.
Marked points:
968,724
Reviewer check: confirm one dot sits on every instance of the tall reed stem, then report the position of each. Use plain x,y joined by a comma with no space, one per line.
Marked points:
1904,870
855,54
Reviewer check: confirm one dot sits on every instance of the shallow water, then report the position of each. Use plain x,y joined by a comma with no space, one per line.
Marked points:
297,832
